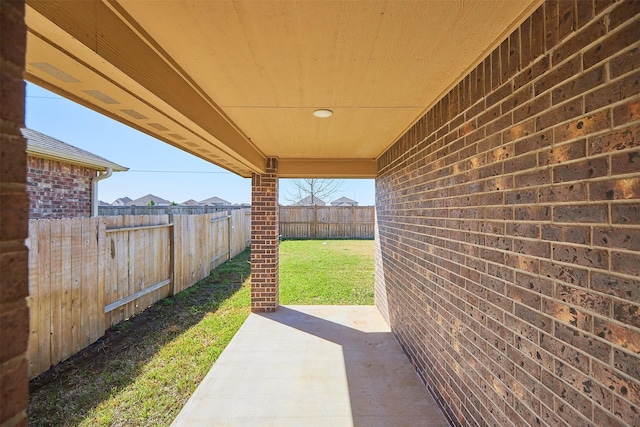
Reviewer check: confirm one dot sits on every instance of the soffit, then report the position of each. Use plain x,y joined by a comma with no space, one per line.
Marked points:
261,68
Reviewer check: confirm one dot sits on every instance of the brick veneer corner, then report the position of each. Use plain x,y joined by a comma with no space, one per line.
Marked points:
57,189
509,227
264,239
14,205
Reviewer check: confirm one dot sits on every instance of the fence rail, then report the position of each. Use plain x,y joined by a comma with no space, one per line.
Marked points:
327,222
166,210
87,274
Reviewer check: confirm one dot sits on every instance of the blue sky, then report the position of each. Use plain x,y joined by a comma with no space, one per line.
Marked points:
154,166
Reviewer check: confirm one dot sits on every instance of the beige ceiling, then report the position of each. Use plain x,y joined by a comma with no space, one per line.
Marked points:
234,82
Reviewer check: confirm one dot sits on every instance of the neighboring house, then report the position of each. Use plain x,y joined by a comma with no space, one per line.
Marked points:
122,201
190,202
62,179
214,201
344,201
307,202
146,201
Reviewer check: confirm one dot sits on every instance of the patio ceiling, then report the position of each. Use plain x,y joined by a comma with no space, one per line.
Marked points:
234,82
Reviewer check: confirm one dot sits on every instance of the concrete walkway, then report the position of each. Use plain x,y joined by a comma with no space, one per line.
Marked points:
312,366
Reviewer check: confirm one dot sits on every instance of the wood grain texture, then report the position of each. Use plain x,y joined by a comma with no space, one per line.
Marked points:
79,266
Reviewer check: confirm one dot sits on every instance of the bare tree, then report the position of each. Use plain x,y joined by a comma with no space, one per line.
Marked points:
313,189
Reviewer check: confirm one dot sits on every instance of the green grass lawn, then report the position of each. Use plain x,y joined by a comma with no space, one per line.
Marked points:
144,369
330,272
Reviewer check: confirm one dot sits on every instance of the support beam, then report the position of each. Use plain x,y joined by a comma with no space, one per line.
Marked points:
264,238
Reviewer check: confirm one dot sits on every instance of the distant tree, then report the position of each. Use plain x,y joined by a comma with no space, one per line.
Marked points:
151,203
174,204
314,189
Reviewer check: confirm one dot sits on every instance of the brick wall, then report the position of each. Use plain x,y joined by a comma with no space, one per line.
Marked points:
264,238
509,227
14,204
58,190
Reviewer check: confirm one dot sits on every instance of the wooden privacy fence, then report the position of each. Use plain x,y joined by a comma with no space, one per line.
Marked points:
327,222
87,274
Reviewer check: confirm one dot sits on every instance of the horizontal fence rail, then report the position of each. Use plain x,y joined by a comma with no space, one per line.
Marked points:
166,210
327,222
88,274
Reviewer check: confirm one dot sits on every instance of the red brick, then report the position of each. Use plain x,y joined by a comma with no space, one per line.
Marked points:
612,93
563,153
622,238
15,333
626,113
568,234
584,13
559,114
615,189
559,75
602,417
537,32
581,213
583,38
625,163
627,363
594,258
627,263
582,170
625,213
615,285
611,379
12,91
551,23
622,64
583,126
13,266
584,341
621,139
579,85
532,72
14,391
534,178
610,45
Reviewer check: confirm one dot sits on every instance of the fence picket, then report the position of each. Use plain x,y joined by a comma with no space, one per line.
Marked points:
33,300
55,245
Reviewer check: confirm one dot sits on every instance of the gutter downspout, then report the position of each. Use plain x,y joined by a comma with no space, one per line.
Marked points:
94,189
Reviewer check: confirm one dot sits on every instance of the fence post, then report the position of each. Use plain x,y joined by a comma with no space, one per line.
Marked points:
172,256
229,234
315,221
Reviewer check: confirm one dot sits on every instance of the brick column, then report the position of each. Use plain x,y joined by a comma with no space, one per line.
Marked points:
264,238
14,210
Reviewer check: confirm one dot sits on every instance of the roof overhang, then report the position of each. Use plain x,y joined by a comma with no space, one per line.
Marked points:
235,82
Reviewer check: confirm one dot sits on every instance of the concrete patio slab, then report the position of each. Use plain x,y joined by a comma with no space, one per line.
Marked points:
312,366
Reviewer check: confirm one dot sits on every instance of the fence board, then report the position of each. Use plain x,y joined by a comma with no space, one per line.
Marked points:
101,276
33,300
55,245
44,306
66,278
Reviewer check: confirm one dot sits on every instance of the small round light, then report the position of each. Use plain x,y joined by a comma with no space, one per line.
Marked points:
323,113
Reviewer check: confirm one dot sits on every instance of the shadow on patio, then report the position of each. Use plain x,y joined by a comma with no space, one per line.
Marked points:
312,366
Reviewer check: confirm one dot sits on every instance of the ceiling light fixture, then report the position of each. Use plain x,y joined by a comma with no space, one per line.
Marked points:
323,113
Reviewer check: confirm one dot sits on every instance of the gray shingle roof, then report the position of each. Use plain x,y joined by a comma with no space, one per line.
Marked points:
214,201
344,201
144,201
44,146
